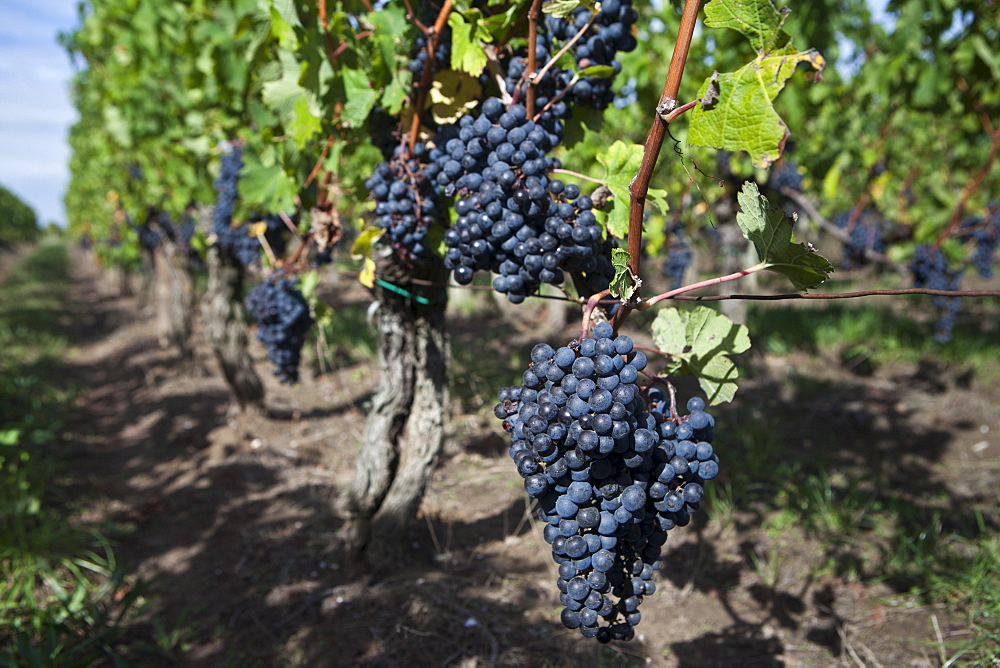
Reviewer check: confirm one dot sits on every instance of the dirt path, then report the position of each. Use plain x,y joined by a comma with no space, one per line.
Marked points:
234,525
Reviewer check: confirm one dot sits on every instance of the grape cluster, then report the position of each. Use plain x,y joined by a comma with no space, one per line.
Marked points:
929,269
628,95
610,477
512,218
679,257
785,175
985,234
609,34
148,237
865,235
283,320
234,240
405,200
442,55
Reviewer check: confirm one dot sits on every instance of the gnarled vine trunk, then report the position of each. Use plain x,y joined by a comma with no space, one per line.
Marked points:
404,432
174,299
225,325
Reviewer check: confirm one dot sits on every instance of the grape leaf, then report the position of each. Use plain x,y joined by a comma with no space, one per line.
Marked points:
452,95
621,164
267,187
758,20
308,283
743,117
561,9
698,342
624,283
360,98
467,30
597,71
771,234
363,247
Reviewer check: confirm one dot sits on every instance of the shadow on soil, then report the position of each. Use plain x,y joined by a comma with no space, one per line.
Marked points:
251,569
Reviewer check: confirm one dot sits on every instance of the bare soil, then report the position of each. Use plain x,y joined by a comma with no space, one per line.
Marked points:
232,521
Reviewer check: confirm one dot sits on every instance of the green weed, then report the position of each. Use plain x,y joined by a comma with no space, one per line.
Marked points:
63,598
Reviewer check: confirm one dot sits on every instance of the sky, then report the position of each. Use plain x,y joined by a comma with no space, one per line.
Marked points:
35,111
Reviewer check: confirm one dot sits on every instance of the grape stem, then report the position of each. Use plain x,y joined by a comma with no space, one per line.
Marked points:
669,118
588,310
288,223
640,184
428,74
674,415
760,266
970,189
551,103
654,351
534,78
533,13
577,175
989,294
493,65
268,251
413,17
844,235
319,161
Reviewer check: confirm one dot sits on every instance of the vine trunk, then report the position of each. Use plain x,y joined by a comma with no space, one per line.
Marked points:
225,325
404,432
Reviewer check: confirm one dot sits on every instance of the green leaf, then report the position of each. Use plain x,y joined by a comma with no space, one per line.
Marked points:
624,283
267,187
597,71
308,283
743,118
467,30
560,8
395,94
360,98
757,20
621,164
698,342
304,124
771,234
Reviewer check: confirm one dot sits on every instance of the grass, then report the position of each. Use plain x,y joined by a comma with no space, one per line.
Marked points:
63,594
875,517
883,333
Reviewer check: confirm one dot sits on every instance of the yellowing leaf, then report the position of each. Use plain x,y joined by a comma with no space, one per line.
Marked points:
452,95
367,275
363,247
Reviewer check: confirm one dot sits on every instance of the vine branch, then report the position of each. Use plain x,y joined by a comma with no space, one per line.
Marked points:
701,284
533,13
668,101
990,294
428,74
970,189
841,235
